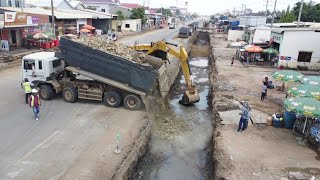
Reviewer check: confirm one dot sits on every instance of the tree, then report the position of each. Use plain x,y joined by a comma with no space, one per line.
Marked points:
120,15
287,16
139,13
166,12
178,13
310,11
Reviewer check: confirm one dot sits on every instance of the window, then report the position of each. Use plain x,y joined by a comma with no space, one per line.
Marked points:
56,63
28,64
17,3
103,10
304,56
127,25
40,64
9,3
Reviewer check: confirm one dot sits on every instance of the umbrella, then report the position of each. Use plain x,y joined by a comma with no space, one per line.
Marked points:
303,105
311,80
88,27
71,28
254,49
304,90
39,35
270,51
85,31
287,75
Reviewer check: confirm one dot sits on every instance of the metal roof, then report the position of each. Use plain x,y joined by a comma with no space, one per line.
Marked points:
59,14
280,30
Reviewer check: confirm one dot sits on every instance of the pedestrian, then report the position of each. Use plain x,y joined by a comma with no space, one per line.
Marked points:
245,115
35,103
232,61
263,91
266,81
26,85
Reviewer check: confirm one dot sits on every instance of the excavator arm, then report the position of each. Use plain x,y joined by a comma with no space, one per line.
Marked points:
160,49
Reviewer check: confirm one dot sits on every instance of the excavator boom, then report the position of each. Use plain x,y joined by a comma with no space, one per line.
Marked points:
160,49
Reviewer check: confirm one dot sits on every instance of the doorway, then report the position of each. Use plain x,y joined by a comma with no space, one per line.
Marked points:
13,36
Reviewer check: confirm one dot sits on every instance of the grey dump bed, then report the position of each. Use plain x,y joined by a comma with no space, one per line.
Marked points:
134,75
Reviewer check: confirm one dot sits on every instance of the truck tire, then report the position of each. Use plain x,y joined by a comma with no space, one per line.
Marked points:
70,94
112,99
46,92
133,102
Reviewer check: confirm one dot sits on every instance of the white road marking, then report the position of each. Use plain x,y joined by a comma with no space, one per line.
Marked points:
37,147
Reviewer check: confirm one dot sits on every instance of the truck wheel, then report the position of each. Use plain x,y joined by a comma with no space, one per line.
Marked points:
70,94
133,102
46,92
112,99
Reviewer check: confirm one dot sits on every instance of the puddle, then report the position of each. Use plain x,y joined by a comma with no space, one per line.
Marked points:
185,157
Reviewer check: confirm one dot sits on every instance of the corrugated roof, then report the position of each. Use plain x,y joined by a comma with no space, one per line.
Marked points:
59,14
280,30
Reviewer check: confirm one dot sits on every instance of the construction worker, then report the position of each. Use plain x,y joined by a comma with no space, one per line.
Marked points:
35,103
245,115
26,85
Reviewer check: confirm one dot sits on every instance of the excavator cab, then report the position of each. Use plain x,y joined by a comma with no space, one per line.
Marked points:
160,50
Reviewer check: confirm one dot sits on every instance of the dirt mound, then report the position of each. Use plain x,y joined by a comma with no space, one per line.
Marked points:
113,48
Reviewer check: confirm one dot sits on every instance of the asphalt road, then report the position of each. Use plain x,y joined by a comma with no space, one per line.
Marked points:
152,36
58,145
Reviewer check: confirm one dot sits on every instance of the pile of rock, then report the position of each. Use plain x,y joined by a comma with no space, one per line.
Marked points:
113,48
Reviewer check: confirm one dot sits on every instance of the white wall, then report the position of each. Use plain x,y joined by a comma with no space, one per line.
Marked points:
261,36
234,35
135,25
253,20
295,41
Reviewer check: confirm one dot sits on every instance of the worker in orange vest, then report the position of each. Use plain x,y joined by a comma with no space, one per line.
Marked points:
35,103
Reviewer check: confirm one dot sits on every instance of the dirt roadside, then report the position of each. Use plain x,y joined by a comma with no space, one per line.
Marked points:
259,152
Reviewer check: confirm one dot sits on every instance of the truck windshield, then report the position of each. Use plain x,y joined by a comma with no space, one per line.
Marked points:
56,63
28,64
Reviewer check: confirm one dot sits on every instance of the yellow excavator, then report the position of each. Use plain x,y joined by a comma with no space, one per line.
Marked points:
160,49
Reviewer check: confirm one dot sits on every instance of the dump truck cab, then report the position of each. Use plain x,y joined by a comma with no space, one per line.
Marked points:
38,67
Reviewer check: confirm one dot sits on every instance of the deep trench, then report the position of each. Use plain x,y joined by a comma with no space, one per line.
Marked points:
188,152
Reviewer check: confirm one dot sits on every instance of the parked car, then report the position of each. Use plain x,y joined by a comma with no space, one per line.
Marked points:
184,32
172,26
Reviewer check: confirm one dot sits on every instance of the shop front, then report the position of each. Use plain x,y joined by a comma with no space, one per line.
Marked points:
16,26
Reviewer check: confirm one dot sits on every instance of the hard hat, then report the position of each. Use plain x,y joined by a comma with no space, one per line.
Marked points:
34,91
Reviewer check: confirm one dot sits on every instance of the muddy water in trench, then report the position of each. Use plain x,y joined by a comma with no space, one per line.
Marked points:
188,155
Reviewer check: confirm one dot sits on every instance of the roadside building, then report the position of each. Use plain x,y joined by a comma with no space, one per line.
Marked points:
253,21
127,25
17,24
108,6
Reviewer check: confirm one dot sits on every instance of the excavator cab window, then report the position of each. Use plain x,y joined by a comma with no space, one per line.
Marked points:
159,54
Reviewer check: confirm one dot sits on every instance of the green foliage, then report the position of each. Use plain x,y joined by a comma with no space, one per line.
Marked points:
287,16
310,11
178,13
139,13
120,15
165,12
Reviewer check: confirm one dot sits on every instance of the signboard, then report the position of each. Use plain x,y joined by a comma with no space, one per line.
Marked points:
32,20
4,45
286,58
15,19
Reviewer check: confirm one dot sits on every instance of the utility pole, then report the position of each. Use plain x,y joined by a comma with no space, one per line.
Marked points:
300,11
274,10
21,5
53,20
267,8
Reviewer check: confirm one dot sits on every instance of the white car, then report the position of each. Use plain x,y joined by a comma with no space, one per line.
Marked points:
172,26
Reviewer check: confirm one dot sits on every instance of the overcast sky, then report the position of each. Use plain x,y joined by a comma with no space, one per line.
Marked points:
209,7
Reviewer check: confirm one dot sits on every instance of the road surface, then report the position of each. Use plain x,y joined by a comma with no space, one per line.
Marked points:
152,36
69,140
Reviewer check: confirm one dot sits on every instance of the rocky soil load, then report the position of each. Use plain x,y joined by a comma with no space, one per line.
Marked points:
113,48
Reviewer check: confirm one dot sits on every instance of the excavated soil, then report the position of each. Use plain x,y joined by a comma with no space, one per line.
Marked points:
181,142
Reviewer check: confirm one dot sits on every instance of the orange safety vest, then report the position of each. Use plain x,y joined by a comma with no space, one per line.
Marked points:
32,100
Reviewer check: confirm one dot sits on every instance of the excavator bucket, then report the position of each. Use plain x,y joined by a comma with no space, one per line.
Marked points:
189,98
